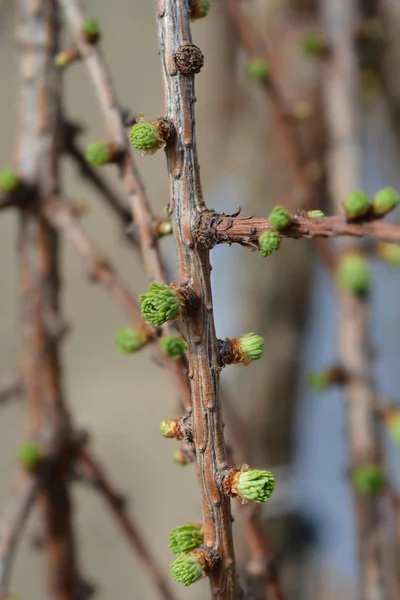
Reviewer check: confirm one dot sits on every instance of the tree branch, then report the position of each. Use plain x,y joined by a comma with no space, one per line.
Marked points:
93,470
101,78
223,229
187,205
11,526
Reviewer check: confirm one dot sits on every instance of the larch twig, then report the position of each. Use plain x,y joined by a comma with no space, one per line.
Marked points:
11,526
186,207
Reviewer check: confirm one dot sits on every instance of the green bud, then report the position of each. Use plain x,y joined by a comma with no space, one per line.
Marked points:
186,569
319,381
200,9
173,346
356,205
251,346
186,538
354,273
159,305
389,253
65,58
165,228
269,242
279,217
9,180
91,27
98,154
385,201
392,420
168,428
145,137
313,45
179,457
316,214
258,69
130,340
255,485
369,479
29,455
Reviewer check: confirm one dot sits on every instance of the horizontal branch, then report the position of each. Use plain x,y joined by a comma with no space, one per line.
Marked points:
11,525
224,229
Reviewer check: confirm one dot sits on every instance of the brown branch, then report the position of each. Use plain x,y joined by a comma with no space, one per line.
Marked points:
93,470
308,193
38,157
101,78
100,270
224,229
186,204
376,554
11,526
10,386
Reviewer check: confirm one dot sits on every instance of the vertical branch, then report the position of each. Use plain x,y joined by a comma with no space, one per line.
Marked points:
38,153
194,269
343,108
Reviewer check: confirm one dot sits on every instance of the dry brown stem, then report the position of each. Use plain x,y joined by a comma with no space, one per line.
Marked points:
224,229
12,523
186,206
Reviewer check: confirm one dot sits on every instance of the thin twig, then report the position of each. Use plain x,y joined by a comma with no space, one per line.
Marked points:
38,162
219,229
342,105
186,205
102,81
93,470
100,269
12,523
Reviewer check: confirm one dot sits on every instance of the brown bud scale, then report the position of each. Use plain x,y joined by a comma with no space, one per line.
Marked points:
189,59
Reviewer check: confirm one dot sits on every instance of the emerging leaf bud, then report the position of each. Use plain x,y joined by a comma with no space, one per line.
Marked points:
29,455
101,153
66,57
200,9
164,303
316,214
146,136
173,346
164,227
320,381
243,350
248,484
392,421
279,217
354,273
369,480
130,340
356,205
91,30
9,180
269,242
189,568
314,45
258,69
385,201
186,538
389,253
